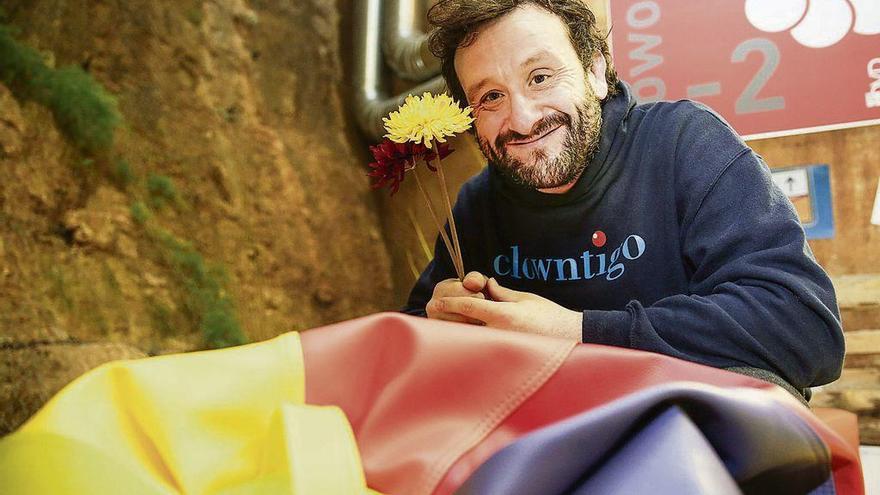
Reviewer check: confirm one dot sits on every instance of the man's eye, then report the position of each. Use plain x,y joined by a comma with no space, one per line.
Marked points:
538,79
490,97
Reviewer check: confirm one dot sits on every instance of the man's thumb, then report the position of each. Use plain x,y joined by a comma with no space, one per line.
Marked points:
503,294
474,282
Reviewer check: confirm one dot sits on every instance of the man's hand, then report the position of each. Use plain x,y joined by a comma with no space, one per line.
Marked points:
514,310
471,287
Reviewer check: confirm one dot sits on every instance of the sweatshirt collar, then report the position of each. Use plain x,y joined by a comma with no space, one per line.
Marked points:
614,113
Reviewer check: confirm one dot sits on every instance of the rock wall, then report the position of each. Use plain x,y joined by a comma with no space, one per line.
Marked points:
236,112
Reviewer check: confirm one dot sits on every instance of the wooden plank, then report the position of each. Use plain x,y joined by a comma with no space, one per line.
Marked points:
858,388
862,342
862,401
862,318
862,361
859,299
858,292
855,378
869,431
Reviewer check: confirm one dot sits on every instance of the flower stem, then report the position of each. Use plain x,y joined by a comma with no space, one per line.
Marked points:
458,269
449,209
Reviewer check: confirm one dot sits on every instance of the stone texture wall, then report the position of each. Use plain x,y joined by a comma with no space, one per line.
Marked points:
242,106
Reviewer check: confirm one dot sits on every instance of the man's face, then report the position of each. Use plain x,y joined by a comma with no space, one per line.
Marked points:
537,111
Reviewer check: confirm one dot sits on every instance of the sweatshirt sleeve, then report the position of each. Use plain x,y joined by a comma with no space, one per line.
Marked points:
756,298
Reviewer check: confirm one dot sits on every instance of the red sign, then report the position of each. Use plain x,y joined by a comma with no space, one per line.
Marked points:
770,67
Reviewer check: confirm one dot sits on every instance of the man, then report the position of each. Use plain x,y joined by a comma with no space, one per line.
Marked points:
645,226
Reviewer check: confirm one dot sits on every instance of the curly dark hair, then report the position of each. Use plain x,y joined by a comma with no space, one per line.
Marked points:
457,22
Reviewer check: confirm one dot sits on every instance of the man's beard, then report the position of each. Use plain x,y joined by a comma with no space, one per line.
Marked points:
581,142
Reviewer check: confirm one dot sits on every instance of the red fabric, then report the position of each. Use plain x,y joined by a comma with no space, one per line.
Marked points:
846,441
430,401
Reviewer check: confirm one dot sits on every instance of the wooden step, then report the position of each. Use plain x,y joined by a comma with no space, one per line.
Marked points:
858,291
858,388
860,319
869,430
858,378
862,349
861,342
858,297
864,402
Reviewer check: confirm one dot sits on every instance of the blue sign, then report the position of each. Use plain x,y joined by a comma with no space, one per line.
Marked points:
809,188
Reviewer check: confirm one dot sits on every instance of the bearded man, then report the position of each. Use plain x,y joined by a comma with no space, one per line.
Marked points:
645,226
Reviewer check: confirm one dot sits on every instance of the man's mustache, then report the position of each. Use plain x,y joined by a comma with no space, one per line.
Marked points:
540,127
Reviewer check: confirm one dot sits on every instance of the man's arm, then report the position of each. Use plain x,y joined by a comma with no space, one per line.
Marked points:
757,297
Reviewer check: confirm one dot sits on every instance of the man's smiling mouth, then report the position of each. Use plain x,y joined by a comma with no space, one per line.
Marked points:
523,143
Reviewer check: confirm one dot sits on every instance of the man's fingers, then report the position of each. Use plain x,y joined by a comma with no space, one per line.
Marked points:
453,288
479,309
474,281
504,294
435,311
456,318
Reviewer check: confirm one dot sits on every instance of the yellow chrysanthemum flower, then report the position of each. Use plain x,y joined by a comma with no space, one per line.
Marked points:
427,118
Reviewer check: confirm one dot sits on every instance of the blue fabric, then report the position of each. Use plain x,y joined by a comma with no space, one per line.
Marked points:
669,456
826,488
673,240
679,438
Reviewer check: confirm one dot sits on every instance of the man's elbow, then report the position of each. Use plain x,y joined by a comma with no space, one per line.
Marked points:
829,355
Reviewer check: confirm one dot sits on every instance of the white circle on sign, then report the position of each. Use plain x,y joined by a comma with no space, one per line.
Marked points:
774,16
826,23
867,16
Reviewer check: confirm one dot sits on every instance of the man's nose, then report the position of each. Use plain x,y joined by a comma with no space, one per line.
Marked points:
524,114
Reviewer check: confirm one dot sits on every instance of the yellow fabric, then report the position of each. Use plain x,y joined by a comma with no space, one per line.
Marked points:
229,421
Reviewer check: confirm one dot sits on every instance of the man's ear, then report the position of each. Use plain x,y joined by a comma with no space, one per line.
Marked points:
596,76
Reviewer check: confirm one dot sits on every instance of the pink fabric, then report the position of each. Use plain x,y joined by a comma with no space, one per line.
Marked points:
420,393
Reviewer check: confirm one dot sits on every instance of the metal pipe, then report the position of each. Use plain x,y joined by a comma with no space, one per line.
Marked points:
371,97
405,44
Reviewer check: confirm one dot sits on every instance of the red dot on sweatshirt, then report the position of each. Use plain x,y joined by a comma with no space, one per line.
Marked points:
599,238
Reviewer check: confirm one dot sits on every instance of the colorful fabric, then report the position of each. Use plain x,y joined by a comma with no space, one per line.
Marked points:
677,439
231,421
414,406
431,401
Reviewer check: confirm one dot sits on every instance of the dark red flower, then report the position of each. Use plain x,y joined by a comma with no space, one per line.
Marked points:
393,160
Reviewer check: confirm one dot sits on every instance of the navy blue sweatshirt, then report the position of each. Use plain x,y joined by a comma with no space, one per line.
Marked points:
673,240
